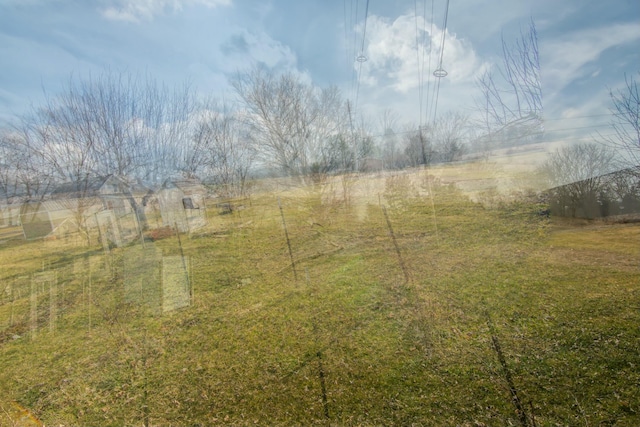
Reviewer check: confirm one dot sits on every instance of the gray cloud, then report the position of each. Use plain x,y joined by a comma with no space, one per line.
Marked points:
237,44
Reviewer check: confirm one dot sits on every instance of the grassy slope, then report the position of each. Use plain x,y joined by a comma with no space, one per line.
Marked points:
258,347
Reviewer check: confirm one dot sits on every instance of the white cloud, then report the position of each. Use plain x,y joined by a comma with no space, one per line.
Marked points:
145,10
395,55
562,60
248,47
257,46
239,52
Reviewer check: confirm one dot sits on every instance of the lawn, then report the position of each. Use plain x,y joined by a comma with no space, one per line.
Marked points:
406,304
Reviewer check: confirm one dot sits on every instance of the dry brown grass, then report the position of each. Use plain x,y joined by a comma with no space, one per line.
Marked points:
563,300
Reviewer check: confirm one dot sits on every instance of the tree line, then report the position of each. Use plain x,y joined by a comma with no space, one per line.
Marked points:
602,177
138,129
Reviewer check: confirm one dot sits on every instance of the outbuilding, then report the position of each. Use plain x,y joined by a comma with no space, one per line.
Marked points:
182,204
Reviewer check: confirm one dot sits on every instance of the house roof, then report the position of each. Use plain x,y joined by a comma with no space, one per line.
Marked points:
99,186
79,189
186,185
629,172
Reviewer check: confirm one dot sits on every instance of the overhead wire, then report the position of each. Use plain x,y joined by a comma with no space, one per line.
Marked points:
361,58
351,43
358,56
420,56
346,33
427,110
444,32
420,46
364,32
420,64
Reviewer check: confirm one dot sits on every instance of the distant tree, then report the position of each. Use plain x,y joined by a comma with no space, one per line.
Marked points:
113,124
577,176
23,177
626,123
222,149
392,155
418,147
390,140
55,147
364,145
388,122
511,100
291,121
336,155
449,135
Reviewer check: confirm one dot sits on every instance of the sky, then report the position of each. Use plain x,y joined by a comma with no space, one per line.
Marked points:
586,49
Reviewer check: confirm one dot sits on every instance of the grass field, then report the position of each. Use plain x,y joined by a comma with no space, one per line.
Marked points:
406,304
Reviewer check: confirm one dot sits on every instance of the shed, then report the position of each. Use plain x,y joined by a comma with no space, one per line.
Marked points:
75,205
63,216
124,214
107,202
182,204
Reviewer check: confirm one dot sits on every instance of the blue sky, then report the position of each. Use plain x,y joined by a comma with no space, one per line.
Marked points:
586,47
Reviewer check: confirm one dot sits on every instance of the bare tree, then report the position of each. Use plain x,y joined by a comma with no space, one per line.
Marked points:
626,123
511,100
578,176
9,187
113,124
23,176
418,149
392,155
223,150
344,151
52,146
449,135
290,120
388,123
336,154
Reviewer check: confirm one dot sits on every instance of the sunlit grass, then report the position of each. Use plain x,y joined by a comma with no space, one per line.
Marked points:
561,298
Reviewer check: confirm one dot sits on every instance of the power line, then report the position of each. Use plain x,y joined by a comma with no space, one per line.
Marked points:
415,19
444,31
346,33
420,49
354,72
428,110
361,58
439,72
420,63
364,33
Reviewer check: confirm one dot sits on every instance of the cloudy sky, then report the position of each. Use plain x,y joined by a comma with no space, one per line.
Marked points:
586,47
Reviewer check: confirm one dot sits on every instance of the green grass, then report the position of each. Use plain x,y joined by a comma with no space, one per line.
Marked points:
563,299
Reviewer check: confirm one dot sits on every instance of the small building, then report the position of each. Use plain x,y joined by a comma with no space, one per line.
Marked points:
109,203
182,204
126,208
